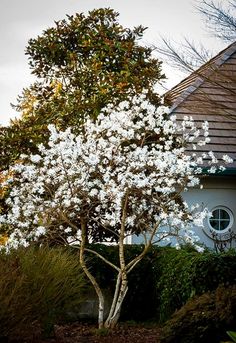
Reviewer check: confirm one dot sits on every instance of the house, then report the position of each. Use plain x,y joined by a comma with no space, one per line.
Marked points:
210,94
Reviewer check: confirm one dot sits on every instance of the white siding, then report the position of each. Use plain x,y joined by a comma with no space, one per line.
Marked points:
217,191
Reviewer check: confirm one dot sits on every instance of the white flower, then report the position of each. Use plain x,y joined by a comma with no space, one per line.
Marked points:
68,230
93,192
118,159
39,231
227,159
35,158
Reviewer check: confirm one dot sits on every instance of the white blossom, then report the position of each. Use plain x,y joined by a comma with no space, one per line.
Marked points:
135,153
227,159
35,158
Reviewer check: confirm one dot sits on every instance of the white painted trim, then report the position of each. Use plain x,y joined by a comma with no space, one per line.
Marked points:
231,219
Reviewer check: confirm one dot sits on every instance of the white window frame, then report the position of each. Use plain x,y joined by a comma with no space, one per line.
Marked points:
231,219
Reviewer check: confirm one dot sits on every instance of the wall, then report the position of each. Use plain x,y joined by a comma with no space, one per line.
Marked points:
217,191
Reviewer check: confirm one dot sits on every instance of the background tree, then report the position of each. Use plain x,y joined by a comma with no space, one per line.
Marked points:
81,64
123,173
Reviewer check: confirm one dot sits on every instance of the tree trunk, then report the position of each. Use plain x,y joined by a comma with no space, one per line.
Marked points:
122,281
90,276
114,314
123,270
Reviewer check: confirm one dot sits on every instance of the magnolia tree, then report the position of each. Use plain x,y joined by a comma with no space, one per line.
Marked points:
123,175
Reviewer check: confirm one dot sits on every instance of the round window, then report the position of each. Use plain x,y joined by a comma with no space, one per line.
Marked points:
221,219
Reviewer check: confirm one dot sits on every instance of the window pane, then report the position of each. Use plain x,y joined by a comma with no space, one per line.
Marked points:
224,215
214,224
221,219
216,214
224,224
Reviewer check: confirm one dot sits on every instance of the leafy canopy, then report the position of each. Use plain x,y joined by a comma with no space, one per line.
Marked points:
81,64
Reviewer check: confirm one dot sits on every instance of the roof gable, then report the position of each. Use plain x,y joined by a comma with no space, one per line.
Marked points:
210,94
204,74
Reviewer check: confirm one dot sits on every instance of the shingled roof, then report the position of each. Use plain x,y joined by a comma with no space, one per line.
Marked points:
210,94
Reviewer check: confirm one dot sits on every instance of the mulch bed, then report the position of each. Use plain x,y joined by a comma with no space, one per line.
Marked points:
88,333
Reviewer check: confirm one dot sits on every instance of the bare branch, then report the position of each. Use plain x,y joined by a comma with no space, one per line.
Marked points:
186,56
102,258
220,18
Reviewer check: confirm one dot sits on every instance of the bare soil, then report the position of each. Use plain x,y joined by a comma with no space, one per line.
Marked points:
88,333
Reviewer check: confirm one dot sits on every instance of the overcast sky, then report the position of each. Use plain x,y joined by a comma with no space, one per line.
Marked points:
21,20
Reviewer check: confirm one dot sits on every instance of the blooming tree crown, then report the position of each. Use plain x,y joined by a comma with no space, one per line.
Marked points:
132,159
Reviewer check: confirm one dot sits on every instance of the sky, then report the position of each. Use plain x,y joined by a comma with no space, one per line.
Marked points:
21,20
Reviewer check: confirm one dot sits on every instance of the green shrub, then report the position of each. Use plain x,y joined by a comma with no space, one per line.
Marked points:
37,287
203,319
141,301
181,274
165,279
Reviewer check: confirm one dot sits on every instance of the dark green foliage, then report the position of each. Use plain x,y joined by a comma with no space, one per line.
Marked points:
38,286
203,319
183,274
165,279
105,275
82,63
141,300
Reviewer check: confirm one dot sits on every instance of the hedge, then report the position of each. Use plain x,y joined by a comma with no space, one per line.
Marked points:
40,285
166,278
183,274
